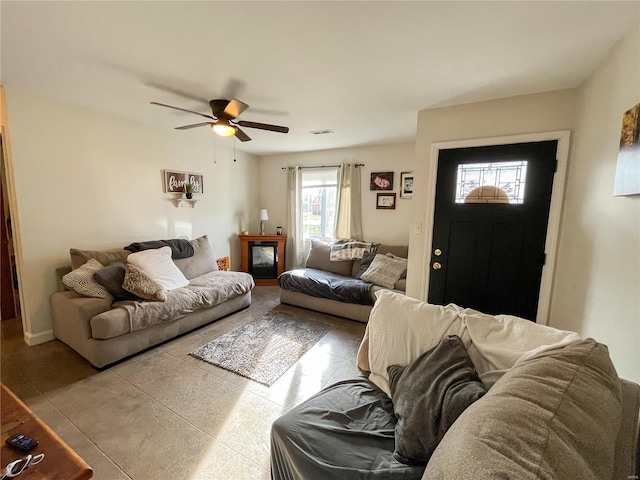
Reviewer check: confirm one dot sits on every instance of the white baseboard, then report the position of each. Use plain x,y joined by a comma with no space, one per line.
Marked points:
36,339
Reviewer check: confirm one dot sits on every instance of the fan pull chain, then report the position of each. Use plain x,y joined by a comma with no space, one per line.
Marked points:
215,161
234,149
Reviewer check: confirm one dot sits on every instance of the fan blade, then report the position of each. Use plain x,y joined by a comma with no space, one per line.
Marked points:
187,127
183,110
264,126
240,135
234,108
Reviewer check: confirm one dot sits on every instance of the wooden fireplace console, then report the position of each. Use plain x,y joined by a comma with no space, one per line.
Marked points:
281,240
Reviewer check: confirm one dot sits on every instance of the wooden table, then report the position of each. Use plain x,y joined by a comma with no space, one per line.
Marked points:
59,463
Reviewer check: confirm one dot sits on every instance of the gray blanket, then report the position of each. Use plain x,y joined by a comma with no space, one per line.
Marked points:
344,432
206,290
319,283
180,248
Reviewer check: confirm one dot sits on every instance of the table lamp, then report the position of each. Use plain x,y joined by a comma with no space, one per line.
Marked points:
263,215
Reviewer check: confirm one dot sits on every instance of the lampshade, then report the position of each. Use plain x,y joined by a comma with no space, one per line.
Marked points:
222,128
263,215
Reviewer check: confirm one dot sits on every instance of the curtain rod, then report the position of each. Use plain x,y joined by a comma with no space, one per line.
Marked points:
322,166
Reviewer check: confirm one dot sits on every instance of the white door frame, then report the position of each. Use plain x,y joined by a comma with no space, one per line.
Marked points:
555,209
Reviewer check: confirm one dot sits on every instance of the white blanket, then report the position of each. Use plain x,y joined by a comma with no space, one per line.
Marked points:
400,329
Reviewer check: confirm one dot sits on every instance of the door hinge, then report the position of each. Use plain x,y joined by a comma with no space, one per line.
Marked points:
555,168
544,259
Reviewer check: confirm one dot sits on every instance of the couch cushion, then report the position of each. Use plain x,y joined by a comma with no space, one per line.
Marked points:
364,263
201,262
319,258
81,281
105,257
158,265
143,285
111,277
429,395
552,415
385,270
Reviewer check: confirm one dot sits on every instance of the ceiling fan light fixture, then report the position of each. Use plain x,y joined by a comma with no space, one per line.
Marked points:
222,128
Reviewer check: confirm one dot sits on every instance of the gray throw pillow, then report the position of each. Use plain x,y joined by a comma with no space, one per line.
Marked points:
385,270
367,258
111,278
429,395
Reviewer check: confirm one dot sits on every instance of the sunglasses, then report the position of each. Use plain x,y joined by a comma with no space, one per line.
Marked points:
17,467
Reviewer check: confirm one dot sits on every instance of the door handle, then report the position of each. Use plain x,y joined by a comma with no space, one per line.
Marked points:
437,266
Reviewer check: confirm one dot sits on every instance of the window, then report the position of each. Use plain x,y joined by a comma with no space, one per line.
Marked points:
319,198
496,182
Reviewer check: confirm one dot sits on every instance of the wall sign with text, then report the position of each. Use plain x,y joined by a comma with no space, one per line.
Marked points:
174,181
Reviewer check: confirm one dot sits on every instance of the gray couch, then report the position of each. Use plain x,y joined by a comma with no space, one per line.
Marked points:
319,259
554,406
103,332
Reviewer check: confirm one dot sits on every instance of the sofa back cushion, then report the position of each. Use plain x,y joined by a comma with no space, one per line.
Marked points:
105,257
553,415
202,261
320,258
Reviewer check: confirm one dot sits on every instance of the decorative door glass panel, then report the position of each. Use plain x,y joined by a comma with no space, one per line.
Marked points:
494,182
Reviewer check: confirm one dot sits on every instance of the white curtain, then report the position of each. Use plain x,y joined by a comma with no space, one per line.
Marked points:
349,217
295,247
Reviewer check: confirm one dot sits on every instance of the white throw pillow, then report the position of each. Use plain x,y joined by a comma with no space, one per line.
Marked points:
158,265
385,270
81,281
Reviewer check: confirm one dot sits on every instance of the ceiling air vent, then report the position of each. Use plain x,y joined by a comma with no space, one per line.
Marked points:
321,132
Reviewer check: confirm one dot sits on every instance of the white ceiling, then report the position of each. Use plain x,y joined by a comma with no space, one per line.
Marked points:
361,69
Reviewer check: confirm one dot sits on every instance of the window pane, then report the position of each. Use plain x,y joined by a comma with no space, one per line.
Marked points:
499,182
319,197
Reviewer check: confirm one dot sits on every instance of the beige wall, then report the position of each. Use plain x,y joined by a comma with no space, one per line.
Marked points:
92,181
597,289
390,227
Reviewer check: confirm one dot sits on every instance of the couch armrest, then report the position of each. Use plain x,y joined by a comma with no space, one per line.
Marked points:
72,313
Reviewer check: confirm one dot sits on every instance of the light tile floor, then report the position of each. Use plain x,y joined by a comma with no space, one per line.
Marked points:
163,414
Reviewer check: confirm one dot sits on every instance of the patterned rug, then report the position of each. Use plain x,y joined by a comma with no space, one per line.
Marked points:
265,348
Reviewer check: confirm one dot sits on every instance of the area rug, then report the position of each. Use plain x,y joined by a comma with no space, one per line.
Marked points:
265,348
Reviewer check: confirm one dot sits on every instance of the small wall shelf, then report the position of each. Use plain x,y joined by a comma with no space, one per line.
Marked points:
183,202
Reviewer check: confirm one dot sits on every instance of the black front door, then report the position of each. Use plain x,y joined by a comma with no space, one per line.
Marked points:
490,224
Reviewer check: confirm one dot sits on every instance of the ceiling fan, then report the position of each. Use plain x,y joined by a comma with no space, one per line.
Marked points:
223,121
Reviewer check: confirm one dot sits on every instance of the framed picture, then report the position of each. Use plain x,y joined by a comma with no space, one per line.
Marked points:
174,181
223,263
406,185
386,201
381,181
627,179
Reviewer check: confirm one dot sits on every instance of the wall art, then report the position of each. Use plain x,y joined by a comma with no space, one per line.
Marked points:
406,185
627,181
386,201
174,181
381,181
